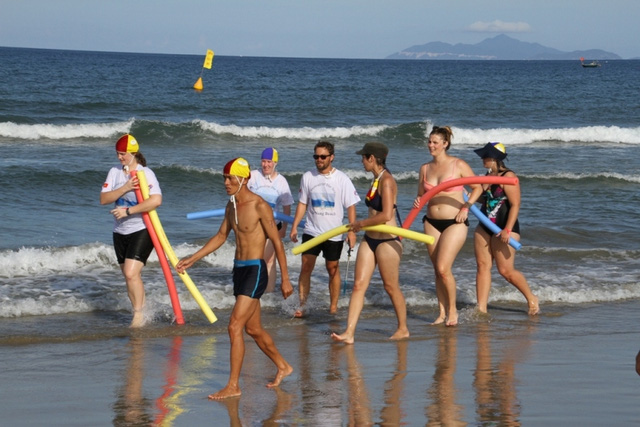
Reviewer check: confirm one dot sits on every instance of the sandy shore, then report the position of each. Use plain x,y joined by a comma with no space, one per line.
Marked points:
570,366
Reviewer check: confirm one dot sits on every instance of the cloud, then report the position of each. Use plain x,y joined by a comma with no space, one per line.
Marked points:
498,26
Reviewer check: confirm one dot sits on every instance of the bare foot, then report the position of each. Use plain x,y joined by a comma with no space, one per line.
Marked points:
343,338
400,334
226,393
439,320
534,308
482,309
333,310
299,313
138,320
452,320
282,373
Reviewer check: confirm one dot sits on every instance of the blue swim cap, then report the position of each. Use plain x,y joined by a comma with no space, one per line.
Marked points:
270,153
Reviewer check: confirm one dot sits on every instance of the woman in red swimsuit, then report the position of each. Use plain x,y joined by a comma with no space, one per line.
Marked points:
446,219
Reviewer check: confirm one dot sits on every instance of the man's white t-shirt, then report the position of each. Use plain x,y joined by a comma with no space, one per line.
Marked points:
327,197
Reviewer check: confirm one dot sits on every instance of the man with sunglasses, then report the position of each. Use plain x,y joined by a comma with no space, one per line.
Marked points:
324,195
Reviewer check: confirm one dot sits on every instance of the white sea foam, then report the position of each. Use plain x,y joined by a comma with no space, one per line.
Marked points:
45,281
580,176
66,131
511,136
463,136
290,133
28,261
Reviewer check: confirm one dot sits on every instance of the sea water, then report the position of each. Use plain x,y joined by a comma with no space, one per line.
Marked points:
572,136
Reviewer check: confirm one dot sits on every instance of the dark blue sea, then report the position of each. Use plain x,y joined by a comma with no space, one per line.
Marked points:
572,135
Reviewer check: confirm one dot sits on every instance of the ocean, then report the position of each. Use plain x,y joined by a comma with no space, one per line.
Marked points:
572,136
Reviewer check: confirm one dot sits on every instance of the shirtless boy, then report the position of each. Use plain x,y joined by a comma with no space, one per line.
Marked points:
252,222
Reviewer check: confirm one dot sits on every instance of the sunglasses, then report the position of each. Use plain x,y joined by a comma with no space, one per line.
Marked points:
321,156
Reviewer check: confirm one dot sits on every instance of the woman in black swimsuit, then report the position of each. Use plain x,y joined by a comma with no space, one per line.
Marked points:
501,204
382,249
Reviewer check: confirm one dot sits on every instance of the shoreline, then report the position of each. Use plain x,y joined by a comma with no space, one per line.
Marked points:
503,368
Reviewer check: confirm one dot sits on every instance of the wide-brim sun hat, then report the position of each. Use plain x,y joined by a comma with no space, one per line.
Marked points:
492,150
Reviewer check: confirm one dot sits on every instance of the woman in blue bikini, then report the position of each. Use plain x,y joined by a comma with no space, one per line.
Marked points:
446,219
382,249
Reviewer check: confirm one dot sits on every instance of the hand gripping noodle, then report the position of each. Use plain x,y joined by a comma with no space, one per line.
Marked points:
382,228
489,224
504,180
162,257
157,226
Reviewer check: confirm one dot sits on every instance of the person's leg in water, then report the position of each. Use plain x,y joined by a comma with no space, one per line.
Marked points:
132,272
365,265
246,315
484,263
388,255
304,281
335,283
447,247
505,262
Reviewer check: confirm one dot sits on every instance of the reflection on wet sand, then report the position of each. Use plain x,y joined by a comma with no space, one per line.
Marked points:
167,407
495,385
359,410
194,372
392,413
322,398
131,407
441,396
284,403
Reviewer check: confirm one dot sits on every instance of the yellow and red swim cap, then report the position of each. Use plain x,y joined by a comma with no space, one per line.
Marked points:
238,167
127,144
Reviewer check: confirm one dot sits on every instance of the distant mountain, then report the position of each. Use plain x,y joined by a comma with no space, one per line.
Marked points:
501,47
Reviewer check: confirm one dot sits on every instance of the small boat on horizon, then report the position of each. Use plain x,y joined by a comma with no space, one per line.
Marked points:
591,64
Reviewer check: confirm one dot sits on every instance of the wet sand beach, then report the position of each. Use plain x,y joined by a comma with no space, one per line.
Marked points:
569,366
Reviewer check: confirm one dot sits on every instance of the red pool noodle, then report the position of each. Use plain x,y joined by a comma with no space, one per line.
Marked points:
504,180
162,257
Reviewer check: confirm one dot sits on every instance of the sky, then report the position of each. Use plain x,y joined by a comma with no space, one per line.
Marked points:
314,28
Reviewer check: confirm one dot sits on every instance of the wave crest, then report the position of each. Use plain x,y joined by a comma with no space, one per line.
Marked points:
68,131
290,133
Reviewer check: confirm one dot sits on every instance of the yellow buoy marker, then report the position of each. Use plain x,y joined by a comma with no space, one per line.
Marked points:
208,60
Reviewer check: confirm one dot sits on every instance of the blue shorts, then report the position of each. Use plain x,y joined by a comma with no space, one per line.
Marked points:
330,250
250,277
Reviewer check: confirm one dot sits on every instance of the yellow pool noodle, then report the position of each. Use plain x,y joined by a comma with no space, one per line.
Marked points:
403,232
173,259
399,231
